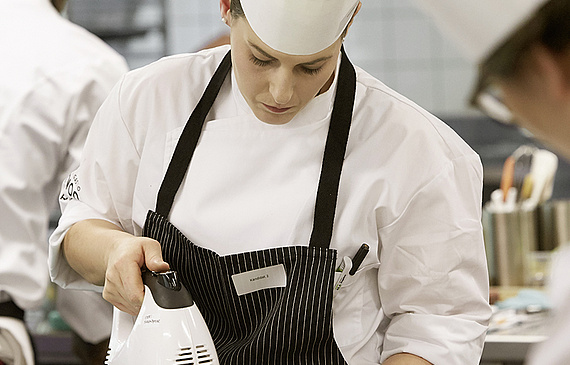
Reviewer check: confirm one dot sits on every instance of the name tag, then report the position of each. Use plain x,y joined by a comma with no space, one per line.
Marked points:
264,278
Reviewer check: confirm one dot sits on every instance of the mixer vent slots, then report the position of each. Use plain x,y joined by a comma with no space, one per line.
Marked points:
202,356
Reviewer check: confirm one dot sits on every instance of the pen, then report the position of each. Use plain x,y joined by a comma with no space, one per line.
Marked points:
358,258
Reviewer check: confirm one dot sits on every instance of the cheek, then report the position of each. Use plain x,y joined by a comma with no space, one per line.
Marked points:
309,87
250,81
534,113
527,105
306,92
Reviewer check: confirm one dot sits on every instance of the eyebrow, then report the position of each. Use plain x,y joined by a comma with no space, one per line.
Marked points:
321,59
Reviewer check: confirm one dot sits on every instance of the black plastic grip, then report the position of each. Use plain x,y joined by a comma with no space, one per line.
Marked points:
167,291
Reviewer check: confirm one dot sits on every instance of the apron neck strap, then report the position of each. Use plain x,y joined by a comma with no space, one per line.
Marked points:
189,140
333,157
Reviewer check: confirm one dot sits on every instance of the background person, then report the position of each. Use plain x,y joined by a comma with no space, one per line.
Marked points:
241,192
522,49
54,76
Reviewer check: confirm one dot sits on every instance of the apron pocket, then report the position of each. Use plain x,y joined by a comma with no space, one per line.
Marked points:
348,303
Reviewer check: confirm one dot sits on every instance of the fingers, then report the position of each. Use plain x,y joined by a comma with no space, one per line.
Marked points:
153,257
117,300
124,288
123,281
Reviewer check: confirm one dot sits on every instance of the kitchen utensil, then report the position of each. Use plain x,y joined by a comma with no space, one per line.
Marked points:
543,171
169,328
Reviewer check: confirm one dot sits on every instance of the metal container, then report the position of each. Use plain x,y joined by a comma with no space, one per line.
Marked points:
510,237
554,224
519,242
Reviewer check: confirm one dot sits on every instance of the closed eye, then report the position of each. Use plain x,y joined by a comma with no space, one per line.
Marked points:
261,63
264,63
311,71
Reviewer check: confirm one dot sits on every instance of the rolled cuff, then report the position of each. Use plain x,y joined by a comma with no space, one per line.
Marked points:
60,271
435,338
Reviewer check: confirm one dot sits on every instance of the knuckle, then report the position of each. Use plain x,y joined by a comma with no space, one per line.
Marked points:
133,298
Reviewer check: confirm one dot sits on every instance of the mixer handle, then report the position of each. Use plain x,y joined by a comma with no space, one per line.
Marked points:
167,290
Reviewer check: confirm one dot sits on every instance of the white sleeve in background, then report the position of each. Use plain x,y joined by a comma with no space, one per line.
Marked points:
96,190
42,141
432,279
51,85
87,313
30,139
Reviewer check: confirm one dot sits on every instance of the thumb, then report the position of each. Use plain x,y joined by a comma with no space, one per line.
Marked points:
153,257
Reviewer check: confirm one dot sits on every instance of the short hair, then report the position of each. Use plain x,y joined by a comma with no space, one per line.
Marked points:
236,9
550,27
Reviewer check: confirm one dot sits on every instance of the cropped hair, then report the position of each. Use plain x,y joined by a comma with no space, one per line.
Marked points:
236,9
550,27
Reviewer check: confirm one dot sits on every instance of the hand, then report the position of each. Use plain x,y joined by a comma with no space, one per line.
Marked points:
123,279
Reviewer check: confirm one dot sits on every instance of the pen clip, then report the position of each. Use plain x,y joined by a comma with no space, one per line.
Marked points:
358,258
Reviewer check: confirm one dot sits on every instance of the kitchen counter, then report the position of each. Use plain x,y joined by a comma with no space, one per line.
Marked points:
509,344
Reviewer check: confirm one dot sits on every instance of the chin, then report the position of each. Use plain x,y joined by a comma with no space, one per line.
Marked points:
270,118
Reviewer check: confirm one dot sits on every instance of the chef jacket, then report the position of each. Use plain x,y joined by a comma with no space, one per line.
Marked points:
54,76
410,188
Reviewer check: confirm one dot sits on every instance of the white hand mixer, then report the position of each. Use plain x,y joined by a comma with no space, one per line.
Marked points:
169,328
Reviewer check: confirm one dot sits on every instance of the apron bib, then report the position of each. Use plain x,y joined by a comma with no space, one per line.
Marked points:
287,324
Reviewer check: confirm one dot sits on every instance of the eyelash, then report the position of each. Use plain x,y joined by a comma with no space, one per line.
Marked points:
256,61
309,71
312,71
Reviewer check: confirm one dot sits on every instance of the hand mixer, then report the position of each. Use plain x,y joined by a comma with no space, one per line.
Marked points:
169,328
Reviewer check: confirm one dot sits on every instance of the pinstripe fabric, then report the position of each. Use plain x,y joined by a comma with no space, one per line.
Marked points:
284,325
291,325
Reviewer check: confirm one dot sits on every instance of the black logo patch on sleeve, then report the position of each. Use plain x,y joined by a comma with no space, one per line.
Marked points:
71,188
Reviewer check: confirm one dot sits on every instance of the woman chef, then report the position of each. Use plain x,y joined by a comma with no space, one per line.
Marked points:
290,160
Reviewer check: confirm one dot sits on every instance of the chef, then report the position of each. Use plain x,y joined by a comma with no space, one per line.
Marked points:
54,76
522,49
262,172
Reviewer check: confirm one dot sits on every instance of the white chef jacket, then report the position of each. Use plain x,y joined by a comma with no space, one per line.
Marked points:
556,350
410,188
54,76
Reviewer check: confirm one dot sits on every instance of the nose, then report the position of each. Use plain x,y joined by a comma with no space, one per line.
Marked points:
281,87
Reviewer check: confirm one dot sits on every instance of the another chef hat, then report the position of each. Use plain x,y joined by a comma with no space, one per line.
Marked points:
479,26
299,27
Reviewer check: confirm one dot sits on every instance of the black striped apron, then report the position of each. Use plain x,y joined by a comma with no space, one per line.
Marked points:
283,325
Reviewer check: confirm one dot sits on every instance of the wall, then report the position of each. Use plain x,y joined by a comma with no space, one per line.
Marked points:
391,39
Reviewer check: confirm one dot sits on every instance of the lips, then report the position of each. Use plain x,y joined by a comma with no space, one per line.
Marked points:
276,110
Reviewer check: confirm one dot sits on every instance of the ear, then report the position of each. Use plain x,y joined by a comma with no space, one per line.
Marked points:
554,70
225,10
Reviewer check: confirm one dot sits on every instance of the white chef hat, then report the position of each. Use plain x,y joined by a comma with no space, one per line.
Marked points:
299,27
479,26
